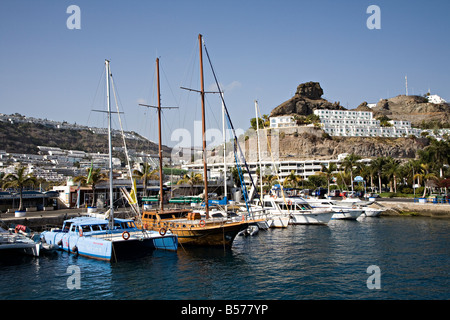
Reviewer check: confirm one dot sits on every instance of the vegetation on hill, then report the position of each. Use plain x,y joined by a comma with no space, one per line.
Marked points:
25,137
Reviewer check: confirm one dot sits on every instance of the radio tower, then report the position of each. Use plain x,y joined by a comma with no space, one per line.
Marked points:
406,84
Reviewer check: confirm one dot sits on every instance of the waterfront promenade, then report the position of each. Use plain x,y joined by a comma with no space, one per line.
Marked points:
39,220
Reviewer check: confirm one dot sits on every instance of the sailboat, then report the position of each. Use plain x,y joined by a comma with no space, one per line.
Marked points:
107,238
190,227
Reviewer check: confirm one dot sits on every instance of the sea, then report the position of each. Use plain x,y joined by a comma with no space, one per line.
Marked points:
383,258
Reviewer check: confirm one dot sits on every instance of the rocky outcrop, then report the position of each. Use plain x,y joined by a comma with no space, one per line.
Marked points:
307,98
412,108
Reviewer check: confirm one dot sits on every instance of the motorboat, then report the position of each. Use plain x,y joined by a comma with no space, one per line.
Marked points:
14,241
345,212
101,239
297,210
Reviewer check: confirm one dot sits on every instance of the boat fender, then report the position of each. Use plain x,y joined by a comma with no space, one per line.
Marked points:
290,202
162,231
125,235
169,231
202,223
353,207
243,218
74,249
145,226
20,227
81,232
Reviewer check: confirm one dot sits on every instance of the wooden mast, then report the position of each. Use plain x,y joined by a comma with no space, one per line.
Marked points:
202,93
160,156
161,189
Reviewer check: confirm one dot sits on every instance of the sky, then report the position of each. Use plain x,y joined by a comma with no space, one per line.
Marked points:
260,50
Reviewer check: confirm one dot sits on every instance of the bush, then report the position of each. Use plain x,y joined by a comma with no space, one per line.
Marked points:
407,190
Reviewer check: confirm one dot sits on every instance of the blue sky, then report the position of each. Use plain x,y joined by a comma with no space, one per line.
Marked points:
260,50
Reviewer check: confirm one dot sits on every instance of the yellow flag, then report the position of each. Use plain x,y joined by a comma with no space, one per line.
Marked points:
133,193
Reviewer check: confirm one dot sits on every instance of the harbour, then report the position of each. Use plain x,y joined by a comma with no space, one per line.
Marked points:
301,262
249,183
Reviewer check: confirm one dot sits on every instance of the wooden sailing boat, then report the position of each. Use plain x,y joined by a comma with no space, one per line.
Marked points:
189,226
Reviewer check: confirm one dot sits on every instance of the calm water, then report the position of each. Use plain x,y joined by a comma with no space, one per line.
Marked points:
300,262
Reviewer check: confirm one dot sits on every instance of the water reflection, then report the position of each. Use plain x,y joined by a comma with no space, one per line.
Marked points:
300,262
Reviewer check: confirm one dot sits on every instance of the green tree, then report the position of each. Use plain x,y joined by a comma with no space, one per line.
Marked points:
145,174
391,170
329,173
18,180
377,165
192,179
292,179
350,163
94,178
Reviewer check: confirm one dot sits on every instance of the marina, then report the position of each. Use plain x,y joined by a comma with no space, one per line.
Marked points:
300,262
335,187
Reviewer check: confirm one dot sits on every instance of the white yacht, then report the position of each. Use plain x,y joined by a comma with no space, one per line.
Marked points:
294,211
341,211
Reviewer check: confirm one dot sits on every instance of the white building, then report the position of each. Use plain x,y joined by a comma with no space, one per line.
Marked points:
303,168
350,123
282,122
434,98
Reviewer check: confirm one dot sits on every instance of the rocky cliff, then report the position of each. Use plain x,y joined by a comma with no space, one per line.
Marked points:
306,99
416,109
312,143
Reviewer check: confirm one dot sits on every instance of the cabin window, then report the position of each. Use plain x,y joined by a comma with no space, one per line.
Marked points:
268,204
86,228
96,227
67,226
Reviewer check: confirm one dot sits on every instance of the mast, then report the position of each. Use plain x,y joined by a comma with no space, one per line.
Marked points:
225,191
202,93
111,195
161,189
259,152
160,156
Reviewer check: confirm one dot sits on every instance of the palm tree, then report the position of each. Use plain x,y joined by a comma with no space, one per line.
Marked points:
292,179
377,165
19,180
391,170
193,179
94,178
349,162
411,168
329,172
146,173
439,152
426,175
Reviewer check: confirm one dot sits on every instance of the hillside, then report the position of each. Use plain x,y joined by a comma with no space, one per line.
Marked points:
416,109
24,137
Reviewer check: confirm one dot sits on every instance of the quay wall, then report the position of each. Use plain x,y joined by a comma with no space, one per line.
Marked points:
396,208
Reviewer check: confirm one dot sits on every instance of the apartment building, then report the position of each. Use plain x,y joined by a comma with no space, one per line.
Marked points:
350,123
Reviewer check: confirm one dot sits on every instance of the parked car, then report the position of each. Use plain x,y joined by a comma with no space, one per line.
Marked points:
334,193
320,192
373,195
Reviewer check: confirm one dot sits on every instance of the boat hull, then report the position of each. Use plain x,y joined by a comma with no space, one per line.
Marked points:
368,212
109,247
199,233
346,215
311,218
279,221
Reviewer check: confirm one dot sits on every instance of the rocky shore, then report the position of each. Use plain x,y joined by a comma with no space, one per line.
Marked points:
405,208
